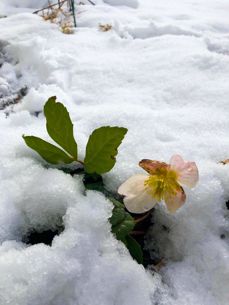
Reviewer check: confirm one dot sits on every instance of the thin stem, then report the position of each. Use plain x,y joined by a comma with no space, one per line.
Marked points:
50,6
73,11
159,265
91,2
142,218
81,162
137,233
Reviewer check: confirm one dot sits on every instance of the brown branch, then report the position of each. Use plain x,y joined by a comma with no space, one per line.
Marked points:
60,4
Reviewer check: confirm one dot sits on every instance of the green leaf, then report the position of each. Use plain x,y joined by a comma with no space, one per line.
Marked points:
134,249
116,203
122,223
47,151
102,148
93,182
118,216
60,127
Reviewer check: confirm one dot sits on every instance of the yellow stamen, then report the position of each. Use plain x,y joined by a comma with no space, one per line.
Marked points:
164,180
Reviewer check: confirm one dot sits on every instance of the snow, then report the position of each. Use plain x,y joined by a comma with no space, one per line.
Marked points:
9,7
162,73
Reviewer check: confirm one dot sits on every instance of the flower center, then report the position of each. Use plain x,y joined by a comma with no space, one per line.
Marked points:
164,180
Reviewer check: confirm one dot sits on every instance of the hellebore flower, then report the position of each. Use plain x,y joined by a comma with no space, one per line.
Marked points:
142,192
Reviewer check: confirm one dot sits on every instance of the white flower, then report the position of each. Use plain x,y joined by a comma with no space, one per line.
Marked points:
142,192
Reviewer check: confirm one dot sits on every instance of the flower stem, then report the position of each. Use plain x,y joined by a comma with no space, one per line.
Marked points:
142,218
81,162
137,233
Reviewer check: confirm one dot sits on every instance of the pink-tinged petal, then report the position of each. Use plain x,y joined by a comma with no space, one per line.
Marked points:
175,200
137,199
187,171
177,162
152,166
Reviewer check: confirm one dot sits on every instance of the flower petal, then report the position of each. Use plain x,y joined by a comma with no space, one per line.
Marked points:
152,166
175,200
137,199
187,171
140,203
132,185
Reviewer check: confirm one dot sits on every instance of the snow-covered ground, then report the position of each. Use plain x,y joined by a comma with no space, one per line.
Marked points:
162,72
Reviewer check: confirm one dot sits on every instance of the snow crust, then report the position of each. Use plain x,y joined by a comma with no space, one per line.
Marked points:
161,72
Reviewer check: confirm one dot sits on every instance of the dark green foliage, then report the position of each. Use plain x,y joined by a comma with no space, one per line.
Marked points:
47,151
59,126
102,148
101,152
